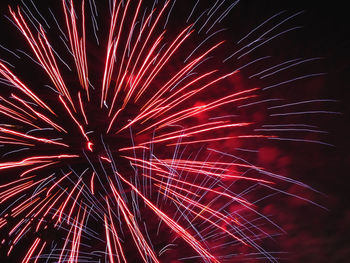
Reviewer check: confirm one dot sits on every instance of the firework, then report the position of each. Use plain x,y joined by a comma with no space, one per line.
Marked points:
133,144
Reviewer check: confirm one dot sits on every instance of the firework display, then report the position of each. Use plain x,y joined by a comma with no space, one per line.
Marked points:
127,136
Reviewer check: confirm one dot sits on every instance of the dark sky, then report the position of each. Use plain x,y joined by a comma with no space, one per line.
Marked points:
326,33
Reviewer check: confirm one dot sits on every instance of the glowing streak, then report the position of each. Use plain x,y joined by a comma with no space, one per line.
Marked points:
200,109
220,139
74,203
82,109
92,183
111,48
16,191
140,52
57,182
110,253
30,223
115,235
78,46
14,182
25,205
128,39
205,208
16,116
208,220
184,114
182,89
210,165
41,116
165,58
106,159
50,207
77,237
174,226
66,241
89,146
37,168
196,132
15,227
65,203
16,107
134,230
199,171
140,73
179,75
39,253
200,187
17,83
9,192
33,160
133,148
43,53
43,207
31,251
74,119
8,131
172,103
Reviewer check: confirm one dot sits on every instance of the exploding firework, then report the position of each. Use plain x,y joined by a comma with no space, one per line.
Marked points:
133,138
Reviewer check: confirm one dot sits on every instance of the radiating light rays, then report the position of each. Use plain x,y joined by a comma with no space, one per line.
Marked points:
31,250
81,128
78,45
119,163
43,53
34,160
5,72
25,136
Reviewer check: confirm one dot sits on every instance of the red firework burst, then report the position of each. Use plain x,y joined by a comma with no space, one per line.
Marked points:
148,156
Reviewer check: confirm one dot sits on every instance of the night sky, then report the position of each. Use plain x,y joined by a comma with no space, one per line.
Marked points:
313,234
316,235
